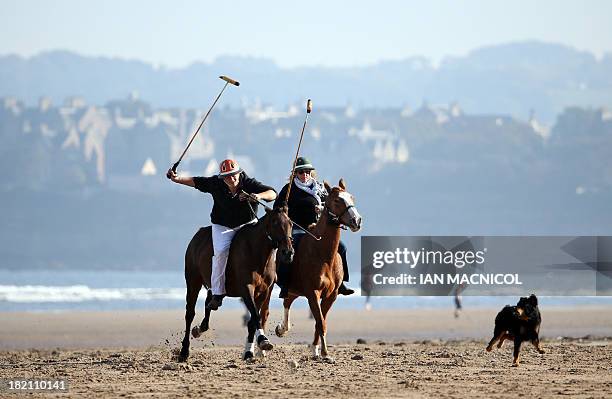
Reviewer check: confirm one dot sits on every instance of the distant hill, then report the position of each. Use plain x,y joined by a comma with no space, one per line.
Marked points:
510,78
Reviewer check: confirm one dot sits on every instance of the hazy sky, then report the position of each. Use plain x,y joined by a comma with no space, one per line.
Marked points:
292,33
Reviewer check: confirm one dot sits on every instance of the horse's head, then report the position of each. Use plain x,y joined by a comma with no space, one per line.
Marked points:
278,228
340,206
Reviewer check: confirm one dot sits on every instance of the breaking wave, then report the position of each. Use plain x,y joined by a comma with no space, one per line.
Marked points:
82,293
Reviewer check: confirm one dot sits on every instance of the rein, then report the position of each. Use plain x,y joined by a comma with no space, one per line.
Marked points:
275,243
267,208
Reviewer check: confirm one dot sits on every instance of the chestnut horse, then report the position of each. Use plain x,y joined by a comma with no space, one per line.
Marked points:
316,271
248,274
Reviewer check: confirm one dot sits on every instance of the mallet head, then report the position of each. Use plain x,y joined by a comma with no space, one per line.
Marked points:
309,106
230,80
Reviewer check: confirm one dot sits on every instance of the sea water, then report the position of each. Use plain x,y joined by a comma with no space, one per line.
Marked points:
39,290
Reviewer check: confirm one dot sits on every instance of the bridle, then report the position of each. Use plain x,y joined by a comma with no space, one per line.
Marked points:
336,220
276,242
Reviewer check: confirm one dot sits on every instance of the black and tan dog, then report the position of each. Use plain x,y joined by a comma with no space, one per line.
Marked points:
519,323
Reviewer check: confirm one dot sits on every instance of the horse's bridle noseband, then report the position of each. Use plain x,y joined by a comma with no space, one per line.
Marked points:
276,243
335,219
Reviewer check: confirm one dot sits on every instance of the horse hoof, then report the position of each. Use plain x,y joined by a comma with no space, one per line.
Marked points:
265,345
183,357
195,331
489,348
279,331
247,355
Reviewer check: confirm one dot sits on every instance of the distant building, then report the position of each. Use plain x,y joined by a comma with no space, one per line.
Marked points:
75,102
13,105
96,123
44,104
148,168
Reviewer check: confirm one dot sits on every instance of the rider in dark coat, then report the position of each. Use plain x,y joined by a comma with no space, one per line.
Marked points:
305,203
235,196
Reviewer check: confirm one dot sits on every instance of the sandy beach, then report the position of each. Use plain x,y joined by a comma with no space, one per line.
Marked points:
407,353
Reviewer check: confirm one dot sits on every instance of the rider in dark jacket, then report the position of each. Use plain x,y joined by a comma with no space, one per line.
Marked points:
235,197
306,200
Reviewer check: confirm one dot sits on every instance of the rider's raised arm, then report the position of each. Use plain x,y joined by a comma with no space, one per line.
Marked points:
186,180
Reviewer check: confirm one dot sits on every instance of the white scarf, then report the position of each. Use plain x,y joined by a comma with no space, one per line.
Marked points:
312,187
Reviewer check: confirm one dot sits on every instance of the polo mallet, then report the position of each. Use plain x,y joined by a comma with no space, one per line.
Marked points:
308,110
227,81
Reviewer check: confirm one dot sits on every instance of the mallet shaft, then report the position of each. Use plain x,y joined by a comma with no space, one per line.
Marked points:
227,81
308,111
199,127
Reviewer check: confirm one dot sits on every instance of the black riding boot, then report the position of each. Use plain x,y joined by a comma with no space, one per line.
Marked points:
283,270
215,302
344,290
282,279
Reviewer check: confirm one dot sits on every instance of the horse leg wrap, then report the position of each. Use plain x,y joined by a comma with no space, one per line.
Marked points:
262,342
316,350
249,347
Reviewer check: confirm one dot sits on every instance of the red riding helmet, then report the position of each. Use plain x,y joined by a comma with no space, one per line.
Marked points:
229,167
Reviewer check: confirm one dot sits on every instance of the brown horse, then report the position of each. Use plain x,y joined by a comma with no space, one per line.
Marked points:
316,271
248,274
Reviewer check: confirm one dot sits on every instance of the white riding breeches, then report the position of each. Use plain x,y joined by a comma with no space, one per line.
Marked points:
222,239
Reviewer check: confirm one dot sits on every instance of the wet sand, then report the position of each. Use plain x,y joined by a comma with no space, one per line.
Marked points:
407,353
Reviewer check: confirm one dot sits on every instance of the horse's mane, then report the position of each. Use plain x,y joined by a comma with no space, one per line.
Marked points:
315,228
